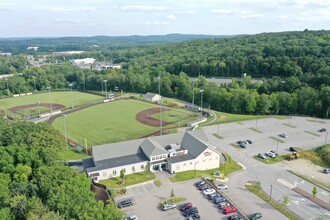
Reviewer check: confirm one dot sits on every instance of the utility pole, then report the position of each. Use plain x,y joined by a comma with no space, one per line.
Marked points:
201,91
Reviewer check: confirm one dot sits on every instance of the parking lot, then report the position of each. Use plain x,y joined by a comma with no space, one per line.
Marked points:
147,201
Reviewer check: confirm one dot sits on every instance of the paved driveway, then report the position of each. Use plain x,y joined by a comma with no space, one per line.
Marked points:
271,174
147,201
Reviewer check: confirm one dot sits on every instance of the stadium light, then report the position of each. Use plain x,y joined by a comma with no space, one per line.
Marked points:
105,88
34,81
38,103
66,136
193,94
50,99
71,85
201,91
160,109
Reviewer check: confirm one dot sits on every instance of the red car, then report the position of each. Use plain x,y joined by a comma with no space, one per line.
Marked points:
228,210
186,206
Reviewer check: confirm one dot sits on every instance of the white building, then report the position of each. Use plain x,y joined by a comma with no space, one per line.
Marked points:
83,61
69,52
152,97
5,54
111,66
33,48
174,153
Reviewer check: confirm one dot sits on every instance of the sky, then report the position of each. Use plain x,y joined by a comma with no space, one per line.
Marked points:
55,18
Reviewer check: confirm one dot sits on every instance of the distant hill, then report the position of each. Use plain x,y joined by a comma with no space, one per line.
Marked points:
48,44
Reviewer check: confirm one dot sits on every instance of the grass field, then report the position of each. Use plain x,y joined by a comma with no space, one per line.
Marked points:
106,123
64,98
113,122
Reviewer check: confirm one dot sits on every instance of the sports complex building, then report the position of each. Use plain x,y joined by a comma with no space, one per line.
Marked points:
174,152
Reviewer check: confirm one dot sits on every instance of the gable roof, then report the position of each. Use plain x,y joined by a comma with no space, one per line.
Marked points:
152,148
193,144
150,95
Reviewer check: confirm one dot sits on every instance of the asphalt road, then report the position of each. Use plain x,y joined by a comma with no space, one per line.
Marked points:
275,175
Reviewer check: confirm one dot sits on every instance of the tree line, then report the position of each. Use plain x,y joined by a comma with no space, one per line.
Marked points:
35,185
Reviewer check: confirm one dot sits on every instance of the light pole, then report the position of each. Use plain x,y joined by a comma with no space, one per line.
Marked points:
7,87
34,81
66,136
256,121
201,91
50,99
84,81
218,129
160,109
326,138
101,83
271,191
105,87
277,148
71,85
193,93
38,103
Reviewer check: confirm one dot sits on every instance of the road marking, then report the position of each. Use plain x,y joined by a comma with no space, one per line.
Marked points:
325,193
285,183
295,202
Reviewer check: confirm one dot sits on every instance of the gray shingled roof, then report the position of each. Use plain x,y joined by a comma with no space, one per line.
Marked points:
114,150
119,161
194,145
181,158
152,148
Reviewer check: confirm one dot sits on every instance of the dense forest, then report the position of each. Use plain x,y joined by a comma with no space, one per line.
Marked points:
294,67
35,185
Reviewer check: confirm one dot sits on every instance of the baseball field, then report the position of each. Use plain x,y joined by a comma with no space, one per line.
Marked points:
114,121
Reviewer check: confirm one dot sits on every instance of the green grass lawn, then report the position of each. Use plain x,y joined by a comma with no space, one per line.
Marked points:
175,115
106,123
131,179
64,98
71,154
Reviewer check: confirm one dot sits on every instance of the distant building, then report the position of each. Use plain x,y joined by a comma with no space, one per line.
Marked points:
6,75
68,52
174,153
5,54
111,66
83,61
152,97
33,48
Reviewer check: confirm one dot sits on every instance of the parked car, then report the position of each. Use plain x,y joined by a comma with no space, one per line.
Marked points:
235,217
199,183
213,195
326,170
270,154
168,206
255,216
223,205
293,149
322,130
228,210
208,191
125,203
243,145
186,206
219,199
283,135
190,211
222,186
195,216
274,152
240,142
262,156
203,187
132,217
249,141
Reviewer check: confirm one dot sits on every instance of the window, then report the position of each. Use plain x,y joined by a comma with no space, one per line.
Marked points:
142,167
104,174
153,158
157,158
133,169
164,156
114,173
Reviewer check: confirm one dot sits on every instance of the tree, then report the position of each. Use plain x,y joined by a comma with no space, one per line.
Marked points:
314,191
122,174
286,201
172,193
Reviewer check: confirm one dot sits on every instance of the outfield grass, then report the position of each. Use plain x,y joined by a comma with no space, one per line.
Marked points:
175,115
226,117
106,123
64,98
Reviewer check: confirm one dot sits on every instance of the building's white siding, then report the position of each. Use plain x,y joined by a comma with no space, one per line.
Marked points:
115,172
209,159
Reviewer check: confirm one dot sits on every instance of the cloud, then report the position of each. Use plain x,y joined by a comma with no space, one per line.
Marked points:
142,8
222,12
171,17
282,17
157,23
252,16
